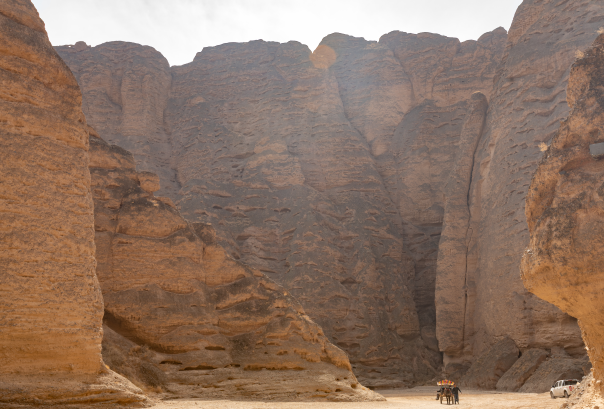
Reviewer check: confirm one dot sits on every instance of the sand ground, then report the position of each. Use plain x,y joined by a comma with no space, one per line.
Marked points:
420,397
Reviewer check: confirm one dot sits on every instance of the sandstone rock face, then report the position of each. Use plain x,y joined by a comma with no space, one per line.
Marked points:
125,89
525,108
305,194
367,178
296,194
491,365
553,370
404,94
50,301
563,262
522,369
212,325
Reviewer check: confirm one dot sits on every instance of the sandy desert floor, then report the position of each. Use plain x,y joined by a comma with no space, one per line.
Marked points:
421,397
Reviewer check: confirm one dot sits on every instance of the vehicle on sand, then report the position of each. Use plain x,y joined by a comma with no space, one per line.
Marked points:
563,388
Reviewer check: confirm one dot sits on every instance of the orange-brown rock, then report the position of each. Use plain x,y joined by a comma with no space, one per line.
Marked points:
488,368
125,89
527,102
51,306
553,370
303,197
294,194
565,210
409,96
365,177
522,370
212,325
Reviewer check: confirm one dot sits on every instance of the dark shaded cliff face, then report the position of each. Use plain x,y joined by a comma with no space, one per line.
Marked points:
365,176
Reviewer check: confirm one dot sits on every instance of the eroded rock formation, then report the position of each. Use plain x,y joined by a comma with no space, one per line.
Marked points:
525,107
491,365
366,177
50,301
309,191
522,370
296,195
564,262
212,325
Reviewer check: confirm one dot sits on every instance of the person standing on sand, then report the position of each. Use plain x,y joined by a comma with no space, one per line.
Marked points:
438,392
456,391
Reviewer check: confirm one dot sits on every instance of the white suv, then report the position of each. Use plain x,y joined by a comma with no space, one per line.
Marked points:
563,388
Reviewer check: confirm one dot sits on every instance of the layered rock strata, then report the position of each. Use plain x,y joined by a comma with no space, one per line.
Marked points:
365,176
211,325
525,107
301,196
565,206
50,301
265,153
126,88
409,96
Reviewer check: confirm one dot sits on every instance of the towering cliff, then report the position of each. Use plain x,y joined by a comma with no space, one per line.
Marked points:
408,95
50,301
525,109
264,152
213,326
290,157
565,206
382,183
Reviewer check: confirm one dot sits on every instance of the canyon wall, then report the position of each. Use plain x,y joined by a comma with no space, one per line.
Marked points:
527,104
382,183
264,152
290,158
50,301
565,211
213,327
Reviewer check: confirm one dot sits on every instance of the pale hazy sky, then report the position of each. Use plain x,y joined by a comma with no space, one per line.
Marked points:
181,28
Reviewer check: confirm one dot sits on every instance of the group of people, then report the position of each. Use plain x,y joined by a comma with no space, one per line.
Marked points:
454,389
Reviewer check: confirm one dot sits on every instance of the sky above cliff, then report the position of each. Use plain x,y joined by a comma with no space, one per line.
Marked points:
180,28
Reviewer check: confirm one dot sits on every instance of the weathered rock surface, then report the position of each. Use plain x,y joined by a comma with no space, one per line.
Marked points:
491,365
365,177
522,369
553,370
301,196
51,306
525,107
125,88
452,263
212,325
265,153
563,263
408,95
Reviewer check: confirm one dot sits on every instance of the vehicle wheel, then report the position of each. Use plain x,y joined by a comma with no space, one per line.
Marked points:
552,395
566,394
